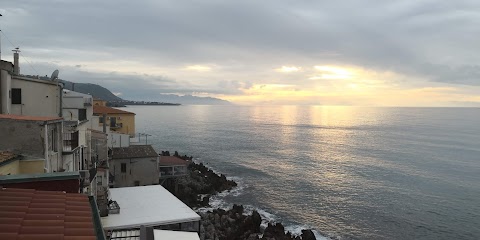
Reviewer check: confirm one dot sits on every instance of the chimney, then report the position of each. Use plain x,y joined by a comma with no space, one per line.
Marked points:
16,65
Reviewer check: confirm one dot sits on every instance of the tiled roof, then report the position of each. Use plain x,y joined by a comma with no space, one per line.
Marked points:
6,155
134,151
171,161
109,110
28,118
36,215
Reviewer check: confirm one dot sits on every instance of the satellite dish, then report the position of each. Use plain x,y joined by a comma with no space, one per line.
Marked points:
54,75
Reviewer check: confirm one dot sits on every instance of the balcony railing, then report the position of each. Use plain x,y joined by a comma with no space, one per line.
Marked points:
172,171
116,126
70,141
87,102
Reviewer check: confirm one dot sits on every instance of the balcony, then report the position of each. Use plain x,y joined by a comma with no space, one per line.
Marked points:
116,126
87,102
172,171
70,141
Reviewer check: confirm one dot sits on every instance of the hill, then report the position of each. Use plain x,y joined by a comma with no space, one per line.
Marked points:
95,90
100,92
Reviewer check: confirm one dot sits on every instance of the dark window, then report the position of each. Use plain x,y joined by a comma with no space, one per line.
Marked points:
124,167
100,120
16,96
113,122
82,114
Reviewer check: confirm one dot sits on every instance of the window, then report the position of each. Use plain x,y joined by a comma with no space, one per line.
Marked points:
82,114
124,167
100,120
16,96
52,140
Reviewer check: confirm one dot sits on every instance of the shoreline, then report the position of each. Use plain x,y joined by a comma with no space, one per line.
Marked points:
196,189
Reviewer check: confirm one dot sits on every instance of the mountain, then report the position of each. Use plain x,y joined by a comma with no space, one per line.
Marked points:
100,92
95,90
189,100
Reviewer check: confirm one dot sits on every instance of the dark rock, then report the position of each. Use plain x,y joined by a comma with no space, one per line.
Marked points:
256,221
308,235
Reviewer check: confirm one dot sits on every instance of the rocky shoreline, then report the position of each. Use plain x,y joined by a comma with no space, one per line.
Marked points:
195,190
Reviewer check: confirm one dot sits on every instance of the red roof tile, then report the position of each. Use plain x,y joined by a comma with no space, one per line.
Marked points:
35,215
109,110
28,118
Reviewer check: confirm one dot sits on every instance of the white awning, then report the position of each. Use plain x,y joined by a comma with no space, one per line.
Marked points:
157,234
177,235
147,205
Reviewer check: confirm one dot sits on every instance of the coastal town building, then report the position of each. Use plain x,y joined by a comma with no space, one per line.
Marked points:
12,164
99,102
136,165
61,151
77,113
34,137
172,166
150,206
117,120
149,233
22,95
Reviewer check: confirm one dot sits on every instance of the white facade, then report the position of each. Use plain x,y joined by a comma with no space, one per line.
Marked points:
38,97
116,140
77,106
5,86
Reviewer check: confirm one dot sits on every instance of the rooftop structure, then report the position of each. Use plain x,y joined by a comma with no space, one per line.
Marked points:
30,118
33,214
38,137
108,110
119,121
155,234
171,166
134,151
11,163
158,208
59,181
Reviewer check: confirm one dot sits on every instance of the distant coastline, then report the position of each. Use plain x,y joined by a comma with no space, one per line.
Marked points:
147,103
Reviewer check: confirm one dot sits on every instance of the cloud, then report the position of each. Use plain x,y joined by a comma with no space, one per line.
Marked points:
220,48
199,68
288,69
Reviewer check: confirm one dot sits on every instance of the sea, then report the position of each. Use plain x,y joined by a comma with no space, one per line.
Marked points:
346,172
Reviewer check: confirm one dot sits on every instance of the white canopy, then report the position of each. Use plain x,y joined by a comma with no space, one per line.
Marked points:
177,235
147,205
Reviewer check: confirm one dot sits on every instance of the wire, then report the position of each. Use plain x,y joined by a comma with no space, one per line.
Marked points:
24,58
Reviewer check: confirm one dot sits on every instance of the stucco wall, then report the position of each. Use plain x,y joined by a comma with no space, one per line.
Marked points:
22,137
144,170
28,138
31,166
38,99
12,168
5,86
127,121
22,167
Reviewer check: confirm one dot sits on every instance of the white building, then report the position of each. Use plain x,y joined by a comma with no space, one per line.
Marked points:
20,95
149,206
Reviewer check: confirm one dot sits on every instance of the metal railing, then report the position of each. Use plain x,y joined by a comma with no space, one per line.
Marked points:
70,141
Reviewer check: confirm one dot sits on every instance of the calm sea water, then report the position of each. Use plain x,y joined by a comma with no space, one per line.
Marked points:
353,173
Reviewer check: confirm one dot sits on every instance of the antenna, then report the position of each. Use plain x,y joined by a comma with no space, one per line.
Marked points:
54,75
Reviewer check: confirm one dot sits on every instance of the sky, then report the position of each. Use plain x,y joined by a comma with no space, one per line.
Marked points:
363,52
